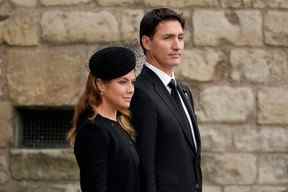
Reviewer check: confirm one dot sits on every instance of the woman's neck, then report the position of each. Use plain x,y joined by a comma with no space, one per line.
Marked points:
107,111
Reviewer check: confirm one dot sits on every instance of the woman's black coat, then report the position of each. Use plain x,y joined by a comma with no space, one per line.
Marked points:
106,157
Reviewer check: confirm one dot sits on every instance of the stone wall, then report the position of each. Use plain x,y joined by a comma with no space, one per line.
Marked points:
236,62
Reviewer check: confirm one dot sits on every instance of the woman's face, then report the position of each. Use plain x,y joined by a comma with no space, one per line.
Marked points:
118,92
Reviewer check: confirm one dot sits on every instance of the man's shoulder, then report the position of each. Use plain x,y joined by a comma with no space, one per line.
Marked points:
183,85
143,80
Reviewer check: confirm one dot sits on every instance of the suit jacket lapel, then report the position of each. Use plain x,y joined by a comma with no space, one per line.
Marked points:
185,97
163,93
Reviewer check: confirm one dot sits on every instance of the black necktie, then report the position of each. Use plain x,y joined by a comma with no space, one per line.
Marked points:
174,93
176,97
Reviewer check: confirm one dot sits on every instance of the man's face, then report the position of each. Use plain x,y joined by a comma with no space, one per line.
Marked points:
165,48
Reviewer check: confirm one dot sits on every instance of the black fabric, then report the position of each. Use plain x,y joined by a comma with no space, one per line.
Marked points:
175,94
106,156
168,161
112,62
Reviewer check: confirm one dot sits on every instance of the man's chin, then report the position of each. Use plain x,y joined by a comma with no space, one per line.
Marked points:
175,64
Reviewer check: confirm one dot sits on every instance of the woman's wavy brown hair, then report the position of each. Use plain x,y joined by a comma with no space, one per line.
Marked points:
85,108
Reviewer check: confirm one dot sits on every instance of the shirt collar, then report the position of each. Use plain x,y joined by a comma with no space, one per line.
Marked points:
164,77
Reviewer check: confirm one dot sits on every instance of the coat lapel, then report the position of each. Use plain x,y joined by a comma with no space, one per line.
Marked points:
188,103
163,93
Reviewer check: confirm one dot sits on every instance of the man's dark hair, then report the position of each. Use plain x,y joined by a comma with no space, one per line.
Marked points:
152,18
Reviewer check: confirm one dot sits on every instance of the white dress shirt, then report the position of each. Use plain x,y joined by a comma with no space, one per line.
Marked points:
165,78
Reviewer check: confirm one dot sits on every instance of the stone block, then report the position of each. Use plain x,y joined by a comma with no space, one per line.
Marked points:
2,24
274,139
46,76
200,65
115,2
62,2
230,168
79,27
226,104
42,186
273,169
258,65
25,3
236,3
272,106
209,188
276,28
270,3
181,3
235,188
21,29
3,82
216,138
264,139
6,115
52,165
247,139
4,167
217,27
265,188
130,22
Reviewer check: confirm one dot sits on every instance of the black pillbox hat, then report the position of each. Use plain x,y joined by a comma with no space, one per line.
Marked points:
112,62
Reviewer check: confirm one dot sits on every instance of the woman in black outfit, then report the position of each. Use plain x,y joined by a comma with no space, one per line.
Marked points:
102,135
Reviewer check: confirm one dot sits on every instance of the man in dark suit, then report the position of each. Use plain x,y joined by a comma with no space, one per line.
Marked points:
162,109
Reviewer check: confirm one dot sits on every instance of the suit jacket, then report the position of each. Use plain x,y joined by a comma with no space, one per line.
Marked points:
168,160
106,157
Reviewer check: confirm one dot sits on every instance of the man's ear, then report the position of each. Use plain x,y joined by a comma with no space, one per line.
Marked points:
146,42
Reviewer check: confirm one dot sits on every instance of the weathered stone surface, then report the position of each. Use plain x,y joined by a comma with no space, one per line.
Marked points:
230,168
21,29
272,106
6,9
247,139
276,28
265,139
258,65
182,3
269,188
31,186
226,104
216,138
62,2
4,169
86,27
270,3
274,139
5,123
236,3
2,24
46,76
273,169
237,189
24,3
188,28
214,28
115,2
130,22
50,165
3,83
208,188
200,64
5,12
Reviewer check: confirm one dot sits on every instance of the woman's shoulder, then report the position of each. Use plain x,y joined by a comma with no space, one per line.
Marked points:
90,129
